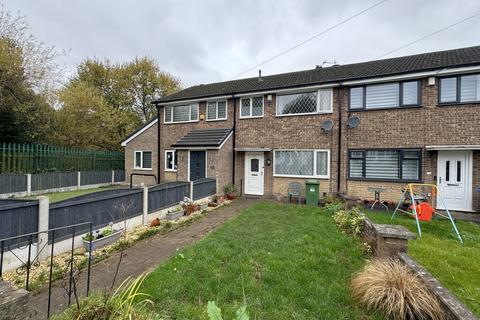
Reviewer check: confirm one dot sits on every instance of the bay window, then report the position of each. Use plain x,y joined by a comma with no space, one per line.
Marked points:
216,110
319,101
385,164
301,163
183,113
385,95
459,89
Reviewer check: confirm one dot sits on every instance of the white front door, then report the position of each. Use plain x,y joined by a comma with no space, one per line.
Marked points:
254,168
454,180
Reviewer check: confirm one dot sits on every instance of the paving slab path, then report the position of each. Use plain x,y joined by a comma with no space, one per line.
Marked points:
143,256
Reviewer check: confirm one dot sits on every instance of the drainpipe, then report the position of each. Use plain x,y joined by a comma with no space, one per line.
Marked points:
158,143
339,144
233,137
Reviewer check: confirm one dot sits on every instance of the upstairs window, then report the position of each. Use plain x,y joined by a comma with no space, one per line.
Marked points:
460,89
251,107
183,113
305,103
171,160
143,160
217,110
385,95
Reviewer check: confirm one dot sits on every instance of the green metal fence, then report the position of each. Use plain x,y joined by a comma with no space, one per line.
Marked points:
34,158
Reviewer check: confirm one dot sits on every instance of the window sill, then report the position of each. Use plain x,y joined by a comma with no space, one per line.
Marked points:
252,117
143,169
303,114
213,120
300,177
383,109
170,170
191,121
456,104
385,180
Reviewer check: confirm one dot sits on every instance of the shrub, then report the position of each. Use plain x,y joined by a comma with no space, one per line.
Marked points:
389,288
350,221
230,189
333,207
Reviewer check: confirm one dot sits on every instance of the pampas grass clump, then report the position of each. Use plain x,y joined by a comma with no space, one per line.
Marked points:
389,288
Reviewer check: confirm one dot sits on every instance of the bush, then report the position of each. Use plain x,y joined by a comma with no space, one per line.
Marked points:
350,221
334,207
389,288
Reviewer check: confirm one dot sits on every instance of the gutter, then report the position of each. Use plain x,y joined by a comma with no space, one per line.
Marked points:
233,137
339,144
158,144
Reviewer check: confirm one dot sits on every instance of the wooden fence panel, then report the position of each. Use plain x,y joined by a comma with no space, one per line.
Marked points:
13,183
203,188
52,180
18,217
166,195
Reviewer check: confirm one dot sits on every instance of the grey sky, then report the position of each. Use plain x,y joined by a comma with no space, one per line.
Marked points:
213,40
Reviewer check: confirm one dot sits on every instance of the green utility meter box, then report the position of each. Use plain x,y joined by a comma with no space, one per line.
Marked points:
311,192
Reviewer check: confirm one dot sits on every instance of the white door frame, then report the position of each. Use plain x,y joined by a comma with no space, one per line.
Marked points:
261,168
468,179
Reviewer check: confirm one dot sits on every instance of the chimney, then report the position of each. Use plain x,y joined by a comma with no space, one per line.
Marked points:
260,75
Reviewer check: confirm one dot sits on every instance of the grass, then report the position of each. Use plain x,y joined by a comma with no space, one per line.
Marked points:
59,196
284,262
455,265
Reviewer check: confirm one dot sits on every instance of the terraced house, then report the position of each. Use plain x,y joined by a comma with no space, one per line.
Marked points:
353,127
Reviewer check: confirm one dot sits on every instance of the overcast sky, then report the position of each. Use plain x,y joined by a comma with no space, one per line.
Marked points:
212,40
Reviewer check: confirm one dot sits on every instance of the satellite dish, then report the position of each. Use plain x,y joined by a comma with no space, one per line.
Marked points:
327,126
353,122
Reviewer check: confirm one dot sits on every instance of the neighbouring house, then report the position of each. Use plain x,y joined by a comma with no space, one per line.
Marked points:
353,127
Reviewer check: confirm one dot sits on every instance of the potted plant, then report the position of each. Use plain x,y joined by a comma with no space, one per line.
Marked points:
101,238
230,191
213,201
188,206
175,213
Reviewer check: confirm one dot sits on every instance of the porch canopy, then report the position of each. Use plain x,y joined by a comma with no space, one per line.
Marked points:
203,139
456,147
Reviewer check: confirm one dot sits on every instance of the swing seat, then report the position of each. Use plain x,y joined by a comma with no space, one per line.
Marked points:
424,211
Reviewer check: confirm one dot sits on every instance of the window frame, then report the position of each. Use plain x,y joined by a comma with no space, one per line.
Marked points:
195,105
216,110
175,158
327,176
401,105
251,107
458,87
400,164
135,167
305,113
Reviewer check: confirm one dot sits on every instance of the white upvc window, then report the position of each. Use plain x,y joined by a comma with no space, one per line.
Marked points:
181,113
216,110
251,107
171,160
142,160
305,103
301,163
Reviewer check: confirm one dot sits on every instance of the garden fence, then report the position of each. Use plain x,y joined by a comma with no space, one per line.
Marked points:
34,158
203,188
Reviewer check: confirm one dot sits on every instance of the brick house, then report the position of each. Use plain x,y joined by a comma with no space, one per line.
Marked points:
353,127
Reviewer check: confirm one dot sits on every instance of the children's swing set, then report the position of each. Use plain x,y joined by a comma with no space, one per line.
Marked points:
421,206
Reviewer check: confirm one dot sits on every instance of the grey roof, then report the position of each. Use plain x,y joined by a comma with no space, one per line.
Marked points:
203,138
377,68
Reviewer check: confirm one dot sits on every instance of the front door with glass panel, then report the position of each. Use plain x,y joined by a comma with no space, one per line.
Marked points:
455,179
254,169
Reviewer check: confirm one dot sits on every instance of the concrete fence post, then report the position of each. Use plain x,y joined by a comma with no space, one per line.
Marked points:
29,184
79,178
216,184
191,190
113,176
43,210
145,205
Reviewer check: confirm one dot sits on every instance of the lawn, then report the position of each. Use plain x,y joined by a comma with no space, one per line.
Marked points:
455,265
283,261
59,196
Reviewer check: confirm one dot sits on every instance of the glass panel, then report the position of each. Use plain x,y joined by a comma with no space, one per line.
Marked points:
298,163
325,100
382,96
381,164
448,90
194,112
459,171
356,98
138,159
410,93
181,113
168,114
410,169
322,163
356,154
245,108
212,111
356,168
169,160
447,171
222,110
411,155
254,165
257,107
147,160
297,103
470,88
